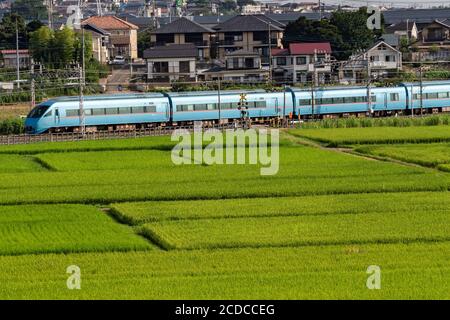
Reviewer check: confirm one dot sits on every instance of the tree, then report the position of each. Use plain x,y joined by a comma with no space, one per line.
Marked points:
143,40
353,29
346,31
63,44
40,41
242,3
8,31
33,26
30,9
228,5
304,30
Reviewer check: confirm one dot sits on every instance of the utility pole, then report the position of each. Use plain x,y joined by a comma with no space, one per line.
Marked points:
50,13
33,89
218,96
369,80
99,8
421,89
82,84
320,11
17,55
270,56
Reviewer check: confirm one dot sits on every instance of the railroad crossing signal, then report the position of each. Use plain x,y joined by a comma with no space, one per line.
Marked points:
243,101
243,105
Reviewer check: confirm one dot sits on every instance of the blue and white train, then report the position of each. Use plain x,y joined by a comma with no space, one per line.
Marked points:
134,111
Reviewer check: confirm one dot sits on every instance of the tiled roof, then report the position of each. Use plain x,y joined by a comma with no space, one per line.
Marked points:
249,23
417,15
401,26
172,51
242,52
303,48
280,52
109,23
183,25
13,51
309,48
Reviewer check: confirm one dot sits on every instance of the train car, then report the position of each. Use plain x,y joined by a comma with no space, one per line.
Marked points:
349,100
101,112
204,106
435,96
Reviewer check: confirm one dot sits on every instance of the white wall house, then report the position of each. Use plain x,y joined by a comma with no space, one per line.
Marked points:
380,60
302,62
171,62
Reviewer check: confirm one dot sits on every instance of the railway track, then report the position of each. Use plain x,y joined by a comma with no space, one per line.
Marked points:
96,135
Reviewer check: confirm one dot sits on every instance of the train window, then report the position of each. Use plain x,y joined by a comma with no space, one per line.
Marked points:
199,107
360,99
304,102
48,114
433,95
416,96
211,106
260,104
137,109
443,95
394,97
72,113
373,98
88,112
150,109
338,100
349,99
126,110
225,105
98,111
111,111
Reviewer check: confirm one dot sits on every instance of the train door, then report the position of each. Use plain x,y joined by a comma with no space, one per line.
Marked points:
57,117
277,107
385,101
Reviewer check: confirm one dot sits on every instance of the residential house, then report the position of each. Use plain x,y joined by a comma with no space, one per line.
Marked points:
122,38
100,43
434,42
406,29
171,62
9,58
254,33
184,30
380,60
240,66
252,9
302,62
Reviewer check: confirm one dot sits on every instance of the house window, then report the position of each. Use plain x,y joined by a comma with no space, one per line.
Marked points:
281,61
235,63
160,67
249,63
390,58
301,60
184,67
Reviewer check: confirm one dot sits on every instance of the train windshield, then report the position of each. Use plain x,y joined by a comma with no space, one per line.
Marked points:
38,111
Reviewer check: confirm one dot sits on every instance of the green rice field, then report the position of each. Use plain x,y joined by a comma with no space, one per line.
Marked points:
140,227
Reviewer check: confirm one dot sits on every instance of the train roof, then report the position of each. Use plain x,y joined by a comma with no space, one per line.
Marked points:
213,93
429,83
107,97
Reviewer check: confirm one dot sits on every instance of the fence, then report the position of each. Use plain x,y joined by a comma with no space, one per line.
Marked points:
97,135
